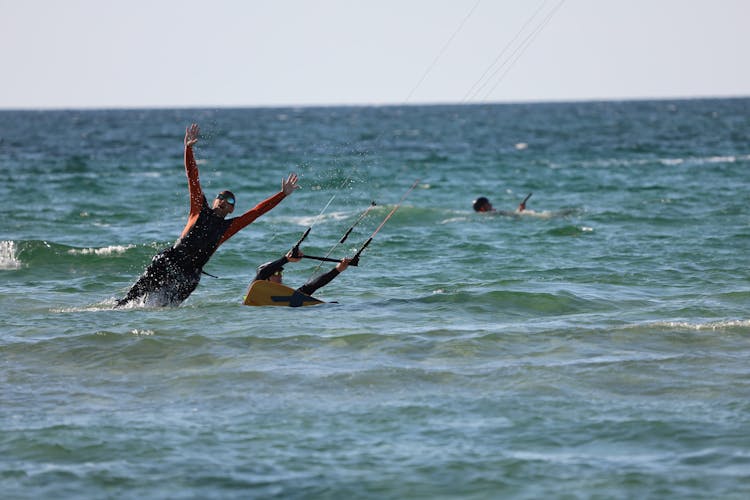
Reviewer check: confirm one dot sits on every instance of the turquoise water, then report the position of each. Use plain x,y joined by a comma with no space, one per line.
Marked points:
597,346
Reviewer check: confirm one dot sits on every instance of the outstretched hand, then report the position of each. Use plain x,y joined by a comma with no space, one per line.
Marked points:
191,135
289,184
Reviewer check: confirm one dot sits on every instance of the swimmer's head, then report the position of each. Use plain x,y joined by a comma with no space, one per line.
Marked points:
482,204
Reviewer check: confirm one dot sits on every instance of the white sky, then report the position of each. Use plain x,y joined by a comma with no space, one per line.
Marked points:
177,53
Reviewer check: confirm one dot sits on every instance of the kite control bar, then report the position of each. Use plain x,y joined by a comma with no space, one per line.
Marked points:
295,248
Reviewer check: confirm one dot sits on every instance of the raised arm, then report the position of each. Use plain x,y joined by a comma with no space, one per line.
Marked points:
288,186
522,205
191,169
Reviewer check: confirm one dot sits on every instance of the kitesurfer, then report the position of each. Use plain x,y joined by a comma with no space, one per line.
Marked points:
175,272
272,271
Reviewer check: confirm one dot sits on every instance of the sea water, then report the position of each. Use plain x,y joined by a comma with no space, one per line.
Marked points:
595,346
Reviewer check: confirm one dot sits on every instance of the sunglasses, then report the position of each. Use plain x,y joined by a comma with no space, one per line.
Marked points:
228,199
277,273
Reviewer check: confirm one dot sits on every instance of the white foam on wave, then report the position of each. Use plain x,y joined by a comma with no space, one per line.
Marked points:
8,259
102,306
700,160
688,160
542,214
110,250
454,219
312,219
109,305
707,326
139,332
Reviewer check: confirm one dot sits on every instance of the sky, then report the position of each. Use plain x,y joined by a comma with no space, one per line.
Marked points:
222,53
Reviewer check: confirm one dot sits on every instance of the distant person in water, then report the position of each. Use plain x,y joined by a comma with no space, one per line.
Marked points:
272,271
482,204
175,272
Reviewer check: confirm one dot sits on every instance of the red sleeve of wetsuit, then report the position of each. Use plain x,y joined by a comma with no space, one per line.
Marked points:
194,184
252,214
194,189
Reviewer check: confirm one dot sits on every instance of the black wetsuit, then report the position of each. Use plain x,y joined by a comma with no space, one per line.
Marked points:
266,271
175,272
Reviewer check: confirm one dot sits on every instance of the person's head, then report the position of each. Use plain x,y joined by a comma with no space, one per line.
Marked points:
482,204
276,277
224,203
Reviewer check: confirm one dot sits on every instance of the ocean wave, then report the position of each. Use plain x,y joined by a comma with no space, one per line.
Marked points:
667,162
324,218
512,302
420,216
527,214
104,305
8,255
405,215
109,250
39,254
570,231
719,325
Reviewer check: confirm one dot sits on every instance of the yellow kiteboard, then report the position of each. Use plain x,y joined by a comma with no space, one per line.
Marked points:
268,293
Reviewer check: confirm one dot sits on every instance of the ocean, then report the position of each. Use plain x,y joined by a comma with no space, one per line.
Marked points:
596,345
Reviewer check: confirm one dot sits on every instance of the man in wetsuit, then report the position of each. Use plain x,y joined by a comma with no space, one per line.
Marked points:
272,271
175,272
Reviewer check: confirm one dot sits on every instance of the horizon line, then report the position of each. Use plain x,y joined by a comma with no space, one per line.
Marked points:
386,104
